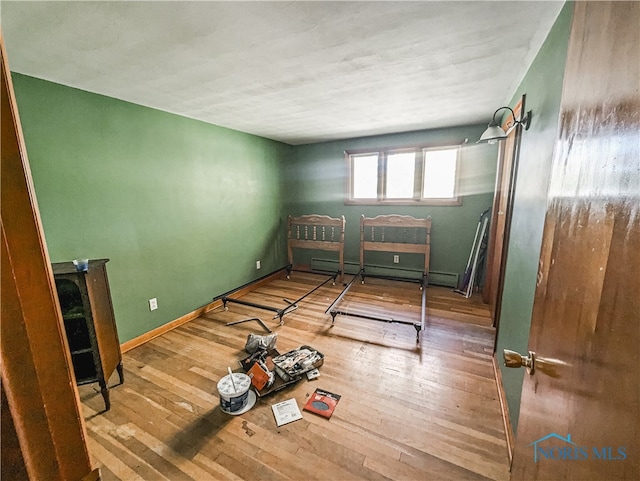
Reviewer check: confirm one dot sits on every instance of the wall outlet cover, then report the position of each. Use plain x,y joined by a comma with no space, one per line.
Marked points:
153,304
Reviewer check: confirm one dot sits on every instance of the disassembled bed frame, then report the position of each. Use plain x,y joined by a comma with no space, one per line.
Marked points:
397,234
319,232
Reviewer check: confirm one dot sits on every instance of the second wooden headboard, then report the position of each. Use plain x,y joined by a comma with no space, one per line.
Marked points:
396,233
319,232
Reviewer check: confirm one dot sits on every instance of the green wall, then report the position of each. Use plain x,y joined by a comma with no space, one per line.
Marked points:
182,208
543,88
315,184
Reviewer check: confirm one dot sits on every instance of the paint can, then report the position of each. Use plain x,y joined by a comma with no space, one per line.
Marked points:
234,392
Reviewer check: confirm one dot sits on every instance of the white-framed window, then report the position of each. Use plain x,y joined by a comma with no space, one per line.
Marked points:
407,176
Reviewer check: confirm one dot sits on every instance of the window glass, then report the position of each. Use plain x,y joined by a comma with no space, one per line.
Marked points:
365,176
440,173
400,175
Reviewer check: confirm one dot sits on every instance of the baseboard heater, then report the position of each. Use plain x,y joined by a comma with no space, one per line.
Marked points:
445,279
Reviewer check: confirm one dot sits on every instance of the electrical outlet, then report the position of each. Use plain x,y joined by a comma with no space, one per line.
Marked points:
396,259
153,304
257,264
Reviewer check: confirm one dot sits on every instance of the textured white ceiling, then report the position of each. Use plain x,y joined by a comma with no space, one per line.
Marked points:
298,72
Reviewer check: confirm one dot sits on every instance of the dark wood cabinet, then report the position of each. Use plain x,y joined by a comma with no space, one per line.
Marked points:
85,302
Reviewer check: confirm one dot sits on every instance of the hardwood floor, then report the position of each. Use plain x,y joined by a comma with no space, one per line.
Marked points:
406,412
443,302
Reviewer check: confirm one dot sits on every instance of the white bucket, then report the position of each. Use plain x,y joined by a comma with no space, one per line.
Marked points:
234,395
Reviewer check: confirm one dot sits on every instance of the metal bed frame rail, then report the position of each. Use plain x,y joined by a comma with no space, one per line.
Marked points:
383,240
313,231
291,305
334,309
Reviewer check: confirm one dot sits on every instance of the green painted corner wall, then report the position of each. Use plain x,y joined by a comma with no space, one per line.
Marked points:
543,88
315,184
183,209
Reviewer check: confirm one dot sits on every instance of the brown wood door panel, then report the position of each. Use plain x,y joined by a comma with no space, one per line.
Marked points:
580,409
37,379
103,318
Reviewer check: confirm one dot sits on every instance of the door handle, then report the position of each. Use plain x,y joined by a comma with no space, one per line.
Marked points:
546,365
515,359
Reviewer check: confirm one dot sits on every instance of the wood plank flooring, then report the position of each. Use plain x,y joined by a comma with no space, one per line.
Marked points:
443,302
407,412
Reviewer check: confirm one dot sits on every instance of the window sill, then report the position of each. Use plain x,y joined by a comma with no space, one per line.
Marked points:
406,202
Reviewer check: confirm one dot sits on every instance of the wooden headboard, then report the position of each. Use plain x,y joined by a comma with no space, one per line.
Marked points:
396,233
319,232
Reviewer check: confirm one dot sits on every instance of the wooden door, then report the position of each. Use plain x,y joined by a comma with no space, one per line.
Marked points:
40,403
580,409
